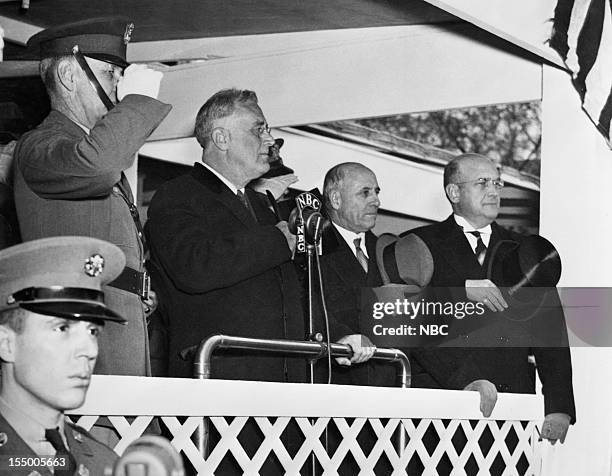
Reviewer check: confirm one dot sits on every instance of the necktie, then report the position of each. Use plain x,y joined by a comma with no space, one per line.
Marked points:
245,201
53,436
481,249
361,257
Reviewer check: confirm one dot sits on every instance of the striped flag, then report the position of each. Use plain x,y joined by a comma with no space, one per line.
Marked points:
582,35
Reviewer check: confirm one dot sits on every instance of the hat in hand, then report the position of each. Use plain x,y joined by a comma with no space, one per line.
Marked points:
404,260
524,269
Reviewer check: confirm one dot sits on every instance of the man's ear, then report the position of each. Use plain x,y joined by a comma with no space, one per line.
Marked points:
66,74
452,192
220,137
335,199
7,344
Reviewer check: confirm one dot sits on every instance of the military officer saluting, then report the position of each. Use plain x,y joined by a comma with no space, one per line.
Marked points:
69,170
52,311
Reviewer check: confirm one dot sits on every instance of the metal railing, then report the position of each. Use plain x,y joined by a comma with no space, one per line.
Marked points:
314,350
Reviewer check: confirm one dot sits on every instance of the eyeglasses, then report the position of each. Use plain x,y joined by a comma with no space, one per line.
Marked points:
261,130
485,182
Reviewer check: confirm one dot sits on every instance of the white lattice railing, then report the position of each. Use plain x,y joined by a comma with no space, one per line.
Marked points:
180,404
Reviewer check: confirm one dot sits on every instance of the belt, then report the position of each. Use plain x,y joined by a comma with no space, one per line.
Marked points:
133,281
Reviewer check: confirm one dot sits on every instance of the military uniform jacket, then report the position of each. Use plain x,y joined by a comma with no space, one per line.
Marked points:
507,367
66,184
92,457
223,271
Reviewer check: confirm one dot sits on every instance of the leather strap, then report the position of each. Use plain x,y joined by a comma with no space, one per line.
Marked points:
126,194
92,78
134,282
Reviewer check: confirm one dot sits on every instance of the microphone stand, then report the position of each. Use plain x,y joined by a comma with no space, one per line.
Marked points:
310,251
312,336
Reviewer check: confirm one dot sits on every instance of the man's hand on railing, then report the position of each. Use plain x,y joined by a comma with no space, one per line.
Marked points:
488,395
555,427
362,347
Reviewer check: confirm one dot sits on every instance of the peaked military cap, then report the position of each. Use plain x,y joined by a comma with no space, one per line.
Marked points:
60,276
104,39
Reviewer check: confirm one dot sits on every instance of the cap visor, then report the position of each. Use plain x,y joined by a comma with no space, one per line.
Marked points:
108,59
80,311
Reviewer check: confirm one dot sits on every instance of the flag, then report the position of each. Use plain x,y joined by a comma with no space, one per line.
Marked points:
582,35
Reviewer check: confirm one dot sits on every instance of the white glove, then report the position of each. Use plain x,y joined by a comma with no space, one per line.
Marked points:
139,79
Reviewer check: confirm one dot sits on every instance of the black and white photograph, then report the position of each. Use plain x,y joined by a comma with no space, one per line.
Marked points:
306,238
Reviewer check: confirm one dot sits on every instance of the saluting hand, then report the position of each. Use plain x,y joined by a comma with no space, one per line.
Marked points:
276,185
139,79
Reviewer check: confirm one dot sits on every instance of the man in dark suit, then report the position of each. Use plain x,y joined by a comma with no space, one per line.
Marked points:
51,313
224,262
460,248
348,264
69,176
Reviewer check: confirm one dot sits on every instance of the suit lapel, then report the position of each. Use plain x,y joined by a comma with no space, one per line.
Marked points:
223,194
497,235
260,208
373,278
457,251
344,263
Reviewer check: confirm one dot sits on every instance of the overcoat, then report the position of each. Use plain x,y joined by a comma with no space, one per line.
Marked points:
506,366
221,270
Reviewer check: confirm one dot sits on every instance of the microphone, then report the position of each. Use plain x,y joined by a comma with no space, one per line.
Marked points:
149,455
311,221
306,220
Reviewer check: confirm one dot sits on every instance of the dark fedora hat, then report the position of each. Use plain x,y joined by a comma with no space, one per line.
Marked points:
404,260
524,269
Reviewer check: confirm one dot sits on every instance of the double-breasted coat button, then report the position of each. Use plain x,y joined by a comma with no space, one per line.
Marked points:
83,471
3,439
77,436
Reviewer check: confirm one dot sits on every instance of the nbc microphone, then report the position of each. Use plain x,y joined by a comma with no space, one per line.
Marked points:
306,221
